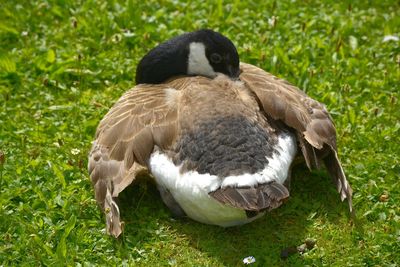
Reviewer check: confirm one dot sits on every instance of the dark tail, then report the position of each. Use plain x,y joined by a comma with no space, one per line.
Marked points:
263,197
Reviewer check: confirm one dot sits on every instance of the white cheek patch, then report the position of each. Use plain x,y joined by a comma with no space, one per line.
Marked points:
198,63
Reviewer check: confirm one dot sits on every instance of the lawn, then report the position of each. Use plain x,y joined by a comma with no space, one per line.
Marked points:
64,63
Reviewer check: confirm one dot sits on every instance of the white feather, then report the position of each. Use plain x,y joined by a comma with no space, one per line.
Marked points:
198,63
191,189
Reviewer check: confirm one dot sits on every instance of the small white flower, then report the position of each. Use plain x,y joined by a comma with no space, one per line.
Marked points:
388,38
249,260
75,151
116,38
24,33
272,21
128,33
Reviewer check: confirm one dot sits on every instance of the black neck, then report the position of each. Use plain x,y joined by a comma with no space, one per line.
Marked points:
167,60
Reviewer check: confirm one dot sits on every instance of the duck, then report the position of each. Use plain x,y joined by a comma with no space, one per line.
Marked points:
218,136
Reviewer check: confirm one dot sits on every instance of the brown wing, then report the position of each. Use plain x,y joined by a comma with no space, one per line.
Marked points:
142,118
313,124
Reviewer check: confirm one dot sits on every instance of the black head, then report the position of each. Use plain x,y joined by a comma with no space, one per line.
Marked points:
203,52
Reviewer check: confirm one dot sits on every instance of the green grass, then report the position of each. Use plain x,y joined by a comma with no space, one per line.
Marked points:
64,63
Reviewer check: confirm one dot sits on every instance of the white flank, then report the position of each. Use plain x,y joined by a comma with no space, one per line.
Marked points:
198,63
191,189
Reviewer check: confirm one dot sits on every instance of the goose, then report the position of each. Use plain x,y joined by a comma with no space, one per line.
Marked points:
218,136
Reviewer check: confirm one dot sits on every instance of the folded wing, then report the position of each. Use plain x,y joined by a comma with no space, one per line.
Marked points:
143,117
314,127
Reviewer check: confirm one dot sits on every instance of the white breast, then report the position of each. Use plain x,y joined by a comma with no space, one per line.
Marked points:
191,189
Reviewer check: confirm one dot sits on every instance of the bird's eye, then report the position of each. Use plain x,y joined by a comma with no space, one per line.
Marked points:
215,58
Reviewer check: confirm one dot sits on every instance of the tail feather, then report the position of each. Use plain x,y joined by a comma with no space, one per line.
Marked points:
266,196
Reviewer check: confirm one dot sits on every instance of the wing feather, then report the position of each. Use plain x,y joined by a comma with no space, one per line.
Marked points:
309,118
143,117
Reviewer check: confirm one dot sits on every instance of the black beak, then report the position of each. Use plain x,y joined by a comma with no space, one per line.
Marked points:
233,72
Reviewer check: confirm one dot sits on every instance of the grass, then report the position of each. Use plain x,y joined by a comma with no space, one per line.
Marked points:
64,63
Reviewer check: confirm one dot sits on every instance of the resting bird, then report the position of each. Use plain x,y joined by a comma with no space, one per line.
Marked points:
218,136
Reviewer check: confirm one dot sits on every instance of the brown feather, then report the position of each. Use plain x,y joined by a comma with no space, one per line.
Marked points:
332,164
309,118
125,138
148,116
263,197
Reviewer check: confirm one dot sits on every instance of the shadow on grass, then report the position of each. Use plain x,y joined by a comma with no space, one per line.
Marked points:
313,196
